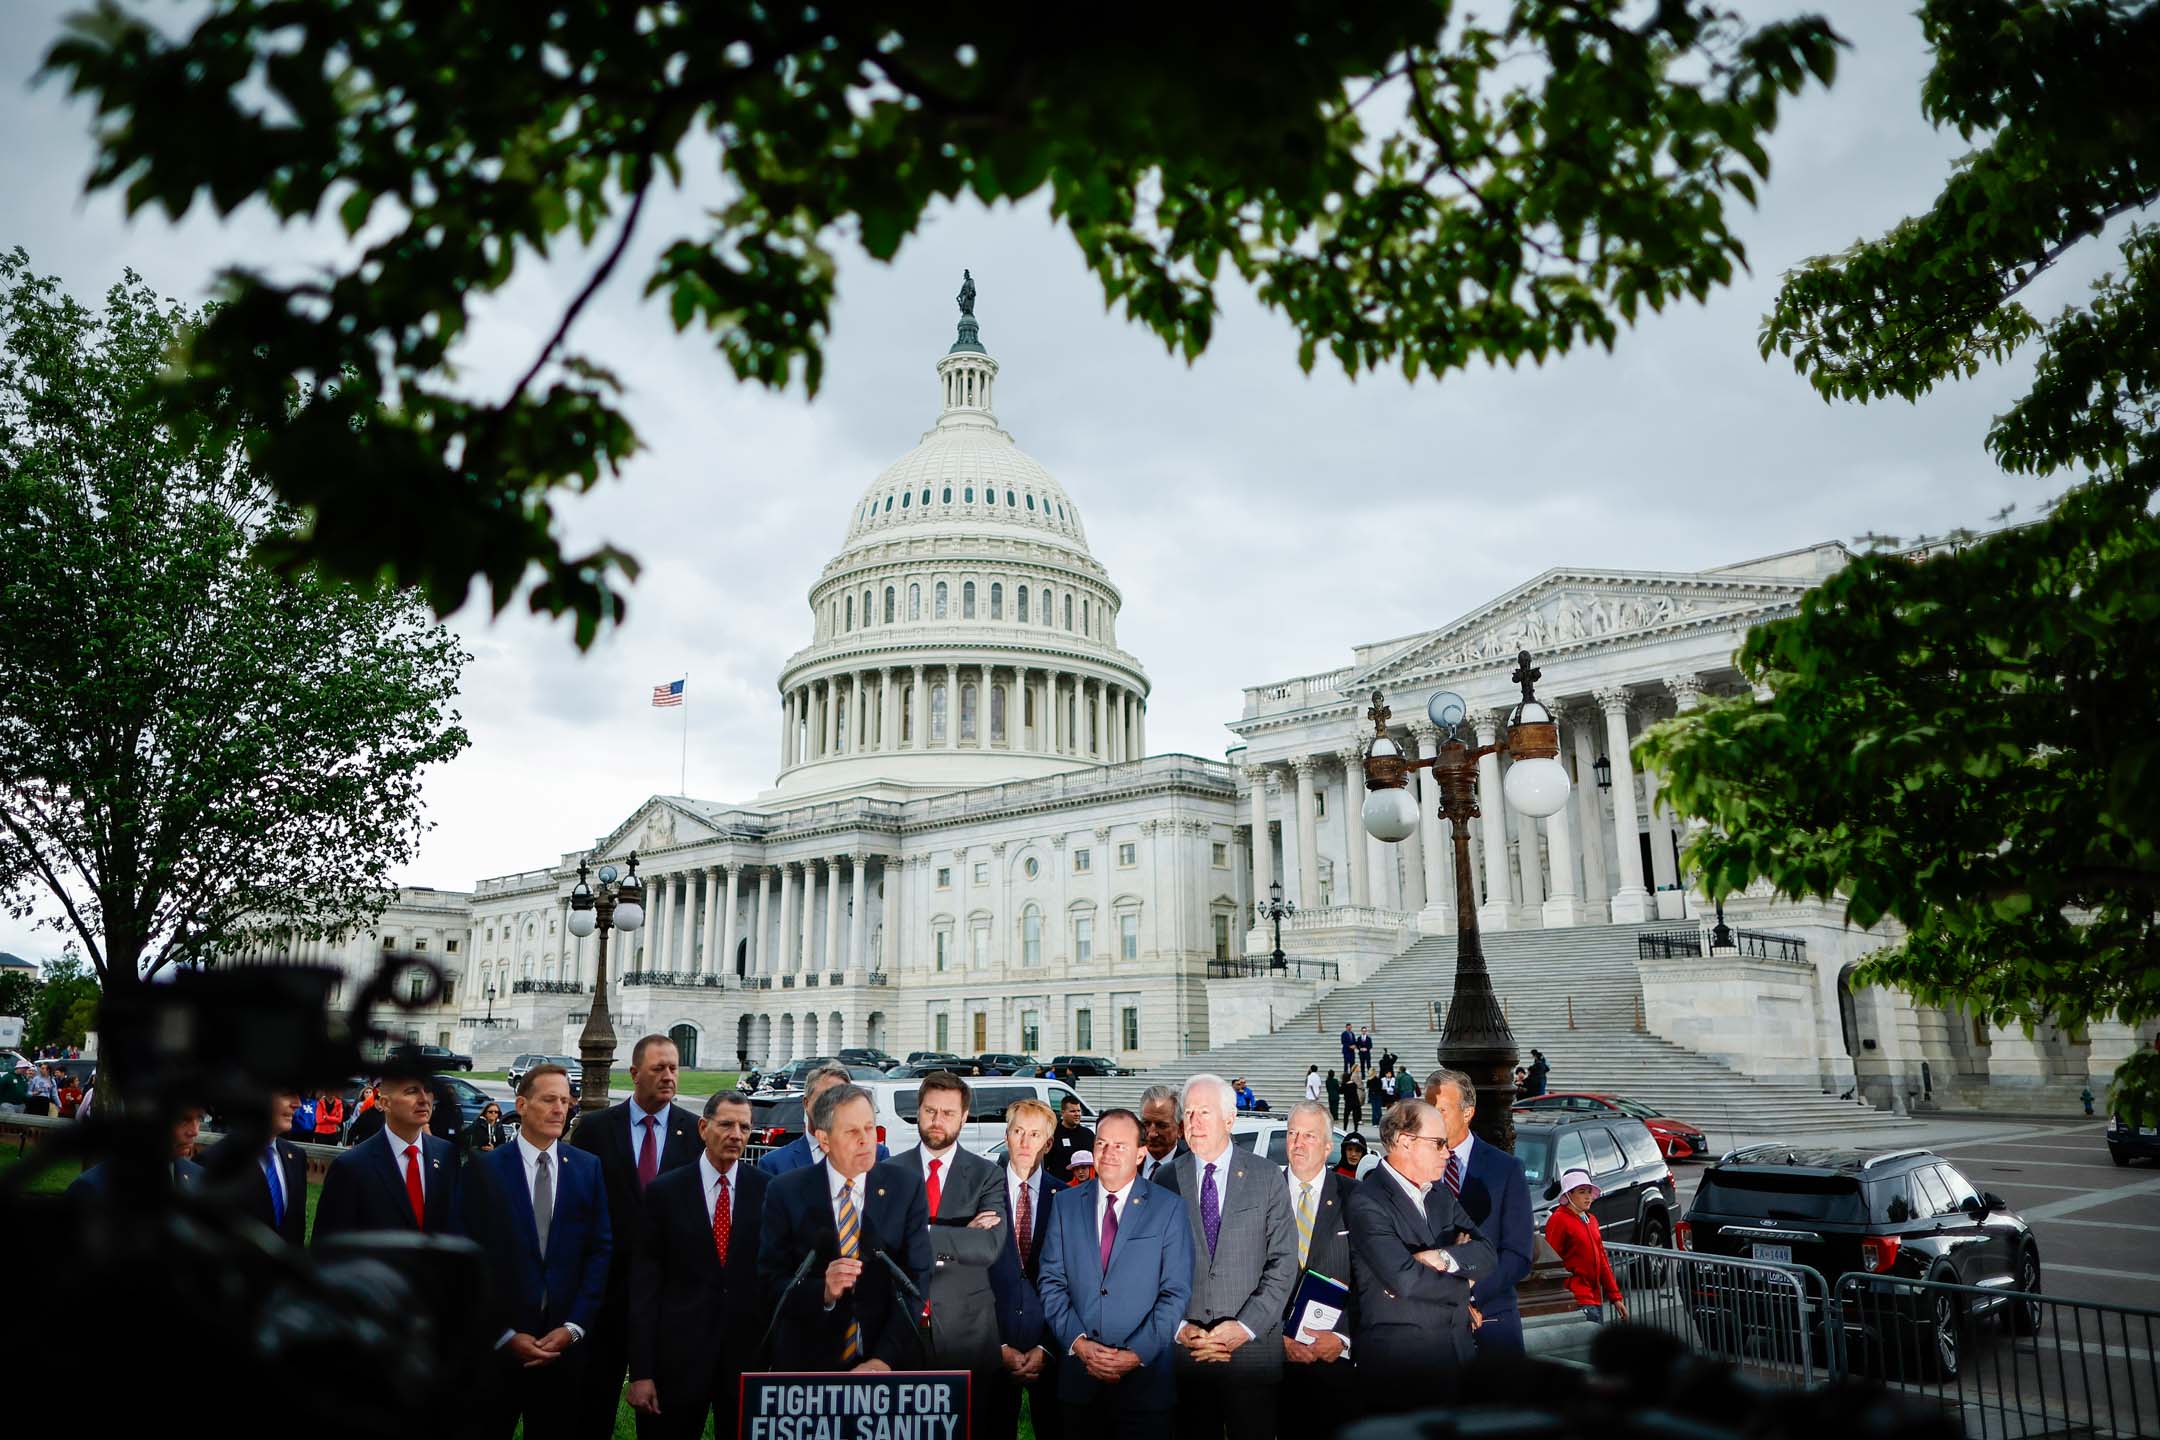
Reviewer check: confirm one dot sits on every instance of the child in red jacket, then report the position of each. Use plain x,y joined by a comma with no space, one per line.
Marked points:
1574,1235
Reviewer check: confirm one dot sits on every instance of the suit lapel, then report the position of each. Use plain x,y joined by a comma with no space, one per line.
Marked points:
510,1162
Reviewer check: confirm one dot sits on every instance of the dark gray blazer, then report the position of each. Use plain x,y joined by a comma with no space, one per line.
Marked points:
963,1311
1413,1320
1254,1270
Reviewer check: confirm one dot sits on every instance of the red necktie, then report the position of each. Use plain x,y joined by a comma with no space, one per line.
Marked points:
413,1192
935,1189
1024,1226
648,1158
721,1223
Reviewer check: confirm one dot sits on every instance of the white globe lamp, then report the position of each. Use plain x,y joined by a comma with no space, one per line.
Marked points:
1390,815
1536,787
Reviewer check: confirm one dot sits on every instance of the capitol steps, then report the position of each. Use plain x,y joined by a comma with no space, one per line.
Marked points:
1545,979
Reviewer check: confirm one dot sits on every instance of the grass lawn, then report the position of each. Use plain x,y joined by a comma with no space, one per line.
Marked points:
689,1082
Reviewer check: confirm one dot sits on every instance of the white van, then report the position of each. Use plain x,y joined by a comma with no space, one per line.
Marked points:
988,1098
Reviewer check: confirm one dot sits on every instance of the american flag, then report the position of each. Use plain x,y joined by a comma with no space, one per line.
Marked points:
665,695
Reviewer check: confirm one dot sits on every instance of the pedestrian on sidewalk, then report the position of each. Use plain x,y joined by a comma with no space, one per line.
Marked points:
1575,1236
1313,1087
1539,1071
1349,1048
1334,1098
1376,1094
1364,1047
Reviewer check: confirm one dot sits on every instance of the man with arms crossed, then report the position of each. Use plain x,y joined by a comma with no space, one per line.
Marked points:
695,1309
846,1311
1245,1270
1116,1272
965,1197
1489,1182
1418,1259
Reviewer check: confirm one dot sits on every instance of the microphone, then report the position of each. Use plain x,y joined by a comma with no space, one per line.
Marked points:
764,1345
919,1315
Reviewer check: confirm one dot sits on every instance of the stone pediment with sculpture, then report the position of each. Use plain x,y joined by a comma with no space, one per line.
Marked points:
656,825
1566,614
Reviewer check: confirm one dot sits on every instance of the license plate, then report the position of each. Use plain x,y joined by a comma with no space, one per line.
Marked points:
1781,1254
2149,1129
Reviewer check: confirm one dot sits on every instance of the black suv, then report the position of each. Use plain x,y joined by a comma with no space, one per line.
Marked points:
435,1057
2127,1142
1638,1198
1904,1213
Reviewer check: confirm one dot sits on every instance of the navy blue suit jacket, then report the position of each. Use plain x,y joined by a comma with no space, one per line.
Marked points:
364,1189
1497,1198
796,1154
1136,1305
534,1293
798,1222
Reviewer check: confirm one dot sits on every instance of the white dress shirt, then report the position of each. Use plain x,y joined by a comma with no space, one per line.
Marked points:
1014,1184
1318,1186
1417,1194
529,1154
853,1189
397,1144
1462,1154
712,1180
944,1170
1149,1164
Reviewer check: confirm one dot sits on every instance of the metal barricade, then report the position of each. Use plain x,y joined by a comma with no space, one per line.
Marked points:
1773,1321
2006,1364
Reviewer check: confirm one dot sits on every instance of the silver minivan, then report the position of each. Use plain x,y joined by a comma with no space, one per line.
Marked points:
987,1101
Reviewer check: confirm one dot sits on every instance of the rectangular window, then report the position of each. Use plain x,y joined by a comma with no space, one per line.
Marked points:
389,942
450,947
944,877
1030,1027
1083,1031
1129,1024
1084,940
1083,860
1031,937
979,947
982,872
1319,804
944,950
1222,937
1127,855
419,946
1128,937
942,1029
982,1032
1221,855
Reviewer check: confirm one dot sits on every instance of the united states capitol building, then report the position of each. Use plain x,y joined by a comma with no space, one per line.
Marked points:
969,847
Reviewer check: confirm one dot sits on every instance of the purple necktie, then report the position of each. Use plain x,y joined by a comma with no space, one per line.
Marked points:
1109,1229
1210,1209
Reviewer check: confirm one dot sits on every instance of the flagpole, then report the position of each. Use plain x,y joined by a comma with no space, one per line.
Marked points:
682,776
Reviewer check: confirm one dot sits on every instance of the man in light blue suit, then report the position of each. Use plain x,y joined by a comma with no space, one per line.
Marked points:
1489,1182
1117,1270
804,1149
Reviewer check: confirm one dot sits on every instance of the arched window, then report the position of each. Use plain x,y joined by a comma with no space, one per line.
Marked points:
967,600
1049,618
888,504
867,609
967,712
997,601
850,612
997,714
1084,619
989,495
938,609
937,712
1008,498
889,598
1031,502
1027,706
1031,936
914,602
968,495
904,498
948,495
926,495
1020,599
1068,626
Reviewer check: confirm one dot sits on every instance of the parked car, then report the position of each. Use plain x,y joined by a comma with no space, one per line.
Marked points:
2127,1142
791,1075
1905,1213
436,1057
996,1062
926,1061
777,1120
1088,1065
572,1063
1678,1139
867,1055
1639,1201
1268,1136
457,1106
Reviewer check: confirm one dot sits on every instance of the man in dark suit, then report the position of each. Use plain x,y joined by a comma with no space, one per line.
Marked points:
280,1200
404,1179
644,1137
965,1200
1318,1393
825,1227
1489,1182
1162,1131
95,1181
538,1209
695,1306
1418,1260
1245,1269
1116,1274
1027,1365
804,1149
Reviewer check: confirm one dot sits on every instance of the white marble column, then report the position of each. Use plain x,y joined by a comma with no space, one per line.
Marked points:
1589,817
1096,737
1140,726
1056,685
1308,833
1631,903
1407,858
727,921
918,725
1353,784
789,952
760,938
1687,693
952,706
787,729
853,744
1529,865
1433,864
829,720
1496,912
699,960
1563,906
859,932
656,948
832,913
1263,846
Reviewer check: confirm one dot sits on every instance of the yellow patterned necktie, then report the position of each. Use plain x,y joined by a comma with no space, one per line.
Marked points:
850,1235
1304,1221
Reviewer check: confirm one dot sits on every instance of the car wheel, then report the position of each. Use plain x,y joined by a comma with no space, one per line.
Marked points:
1653,1232
2022,1317
1941,1334
2117,1156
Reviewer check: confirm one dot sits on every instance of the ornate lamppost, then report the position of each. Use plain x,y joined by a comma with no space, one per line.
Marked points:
491,1002
619,904
1275,908
1477,1040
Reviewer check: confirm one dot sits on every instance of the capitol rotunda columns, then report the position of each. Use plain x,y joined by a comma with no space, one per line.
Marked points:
1631,901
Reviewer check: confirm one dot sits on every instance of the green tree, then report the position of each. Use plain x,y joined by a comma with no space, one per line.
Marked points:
190,742
66,1004
1970,744
17,989
1404,183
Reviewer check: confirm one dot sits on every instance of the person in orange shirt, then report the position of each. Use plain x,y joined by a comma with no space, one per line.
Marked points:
1575,1235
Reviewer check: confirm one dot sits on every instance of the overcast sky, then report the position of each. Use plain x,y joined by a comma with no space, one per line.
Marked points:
1259,521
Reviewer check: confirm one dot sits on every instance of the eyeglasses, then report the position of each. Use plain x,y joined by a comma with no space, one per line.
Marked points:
1436,1140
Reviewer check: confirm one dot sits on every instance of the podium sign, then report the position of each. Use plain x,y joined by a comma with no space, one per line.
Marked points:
854,1405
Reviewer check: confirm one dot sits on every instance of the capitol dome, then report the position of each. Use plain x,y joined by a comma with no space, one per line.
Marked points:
963,635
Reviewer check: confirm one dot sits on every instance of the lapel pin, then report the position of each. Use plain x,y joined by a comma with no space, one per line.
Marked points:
1241,1174
881,1190
435,1164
